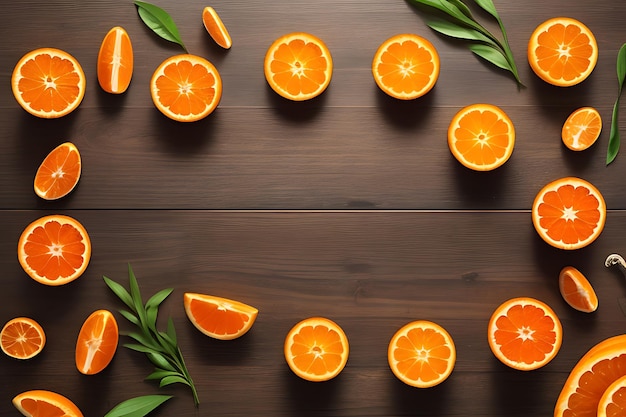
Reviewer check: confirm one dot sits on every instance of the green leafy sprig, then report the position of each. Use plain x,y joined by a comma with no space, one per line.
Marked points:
160,22
138,406
161,347
461,24
614,140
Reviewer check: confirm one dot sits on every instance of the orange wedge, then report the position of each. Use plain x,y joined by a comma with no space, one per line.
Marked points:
298,66
316,349
591,377
216,28
562,51
186,88
569,213
48,83
22,338
96,343
54,250
59,172
613,401
115,61
217,317
524,333
406,66
421,354
577,290
42,403
581,129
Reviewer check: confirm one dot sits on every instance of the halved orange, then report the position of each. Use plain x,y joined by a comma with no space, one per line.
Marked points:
48,83
577,290
186,88
481,137
316,349
581,129
569,213
22,338
298,66
96,343
115,61
216,28
218,317
43,403
590,378
562,51
59,172
54,250
406,66
613,401
421,354
524,333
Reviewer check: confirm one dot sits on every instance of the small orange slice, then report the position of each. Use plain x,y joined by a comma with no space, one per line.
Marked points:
115,61
562,51
22,338
421,354
59,172
42,403
186,88
524,333
569,213
316,349
54,250
577,290
613,401
216,28
48,83
406,66
298,66
96,343
581,129
481,137
591,377
217,317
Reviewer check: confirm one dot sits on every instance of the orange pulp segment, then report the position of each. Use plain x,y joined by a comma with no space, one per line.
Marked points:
421,354
22,338
96,343
217,317
406,66
59,172
577,290
115,61
316,349
216,28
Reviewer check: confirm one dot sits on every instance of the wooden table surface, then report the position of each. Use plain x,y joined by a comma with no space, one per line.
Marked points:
348,206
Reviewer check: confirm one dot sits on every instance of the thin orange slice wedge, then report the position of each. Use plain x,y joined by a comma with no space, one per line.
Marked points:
218,317
216,28
59,172
577,290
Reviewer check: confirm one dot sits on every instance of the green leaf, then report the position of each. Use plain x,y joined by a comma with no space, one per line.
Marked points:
120,292
160,374
462,7
614,139
488,6
168,380
455,31
171,332
493,55
159,21
156,300
130,317
160,361
138,406
145,341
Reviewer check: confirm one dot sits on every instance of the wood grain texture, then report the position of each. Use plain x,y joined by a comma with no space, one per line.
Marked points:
349,206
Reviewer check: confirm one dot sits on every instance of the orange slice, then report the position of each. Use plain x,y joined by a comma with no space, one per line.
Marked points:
96,343
59,172
316,349
186,88
591,377
298,66
481,137
219,317
562,51
406,66
421,354
54,250
524,333
569,213
42,403
216,28
577,291
22,338
581,129
115,61
613,401
48,83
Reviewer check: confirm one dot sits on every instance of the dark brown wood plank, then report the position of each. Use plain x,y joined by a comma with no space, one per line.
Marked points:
370,271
